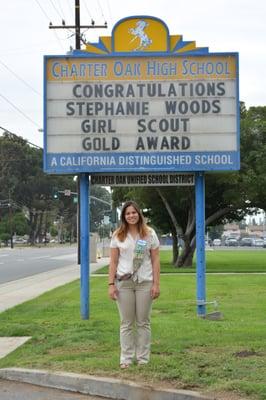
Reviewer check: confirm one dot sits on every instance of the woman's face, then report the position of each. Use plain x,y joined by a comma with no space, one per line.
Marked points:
131,215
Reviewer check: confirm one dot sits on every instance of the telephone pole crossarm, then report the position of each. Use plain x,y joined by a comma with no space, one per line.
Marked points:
77,25
74,26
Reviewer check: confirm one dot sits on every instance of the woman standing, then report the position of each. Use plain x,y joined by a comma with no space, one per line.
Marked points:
134,281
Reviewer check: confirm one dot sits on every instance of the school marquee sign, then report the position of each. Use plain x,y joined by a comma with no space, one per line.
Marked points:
141,101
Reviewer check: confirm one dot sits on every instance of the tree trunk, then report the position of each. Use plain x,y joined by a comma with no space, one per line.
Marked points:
181,259
185,259
175,247
33,223
188,260
39,228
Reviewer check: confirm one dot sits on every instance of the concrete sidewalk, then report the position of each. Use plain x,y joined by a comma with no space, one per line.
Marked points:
17,292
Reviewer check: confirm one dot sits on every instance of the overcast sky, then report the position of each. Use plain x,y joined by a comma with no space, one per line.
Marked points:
228,25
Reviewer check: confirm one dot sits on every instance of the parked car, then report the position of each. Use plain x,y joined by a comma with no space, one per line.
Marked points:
217,242
264,242
19,240
231,242
246,241
258,242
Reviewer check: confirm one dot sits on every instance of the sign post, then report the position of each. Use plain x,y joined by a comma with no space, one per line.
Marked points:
143,102
200,243
84,246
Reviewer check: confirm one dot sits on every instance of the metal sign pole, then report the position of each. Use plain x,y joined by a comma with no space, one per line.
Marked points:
84,246
200,243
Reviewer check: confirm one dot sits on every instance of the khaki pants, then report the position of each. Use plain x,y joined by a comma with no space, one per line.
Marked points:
134,303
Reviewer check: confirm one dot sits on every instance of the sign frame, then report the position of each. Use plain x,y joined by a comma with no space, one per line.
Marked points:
110,161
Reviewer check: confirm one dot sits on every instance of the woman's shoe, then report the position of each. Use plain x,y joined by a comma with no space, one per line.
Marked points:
124,366
141,363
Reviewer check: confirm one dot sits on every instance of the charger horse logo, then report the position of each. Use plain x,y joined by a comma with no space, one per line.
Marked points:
138,32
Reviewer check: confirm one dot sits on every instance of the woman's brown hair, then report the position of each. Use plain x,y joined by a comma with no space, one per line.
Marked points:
122,231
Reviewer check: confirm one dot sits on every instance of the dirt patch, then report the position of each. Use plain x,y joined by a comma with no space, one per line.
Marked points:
246,353
224,396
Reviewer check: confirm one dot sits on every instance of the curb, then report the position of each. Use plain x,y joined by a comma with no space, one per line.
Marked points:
97,386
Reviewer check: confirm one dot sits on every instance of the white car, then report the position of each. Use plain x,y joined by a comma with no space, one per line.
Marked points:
231,242
258,242
217,242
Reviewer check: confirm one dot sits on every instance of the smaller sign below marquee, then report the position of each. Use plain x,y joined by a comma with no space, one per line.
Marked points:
152,179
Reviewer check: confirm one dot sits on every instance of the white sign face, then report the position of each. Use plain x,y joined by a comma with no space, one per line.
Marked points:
141,114
152,179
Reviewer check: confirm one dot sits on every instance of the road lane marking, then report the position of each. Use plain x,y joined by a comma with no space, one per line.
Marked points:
39,257
65,257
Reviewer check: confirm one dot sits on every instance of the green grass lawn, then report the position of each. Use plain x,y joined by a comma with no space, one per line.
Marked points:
223,261
187,352
218,261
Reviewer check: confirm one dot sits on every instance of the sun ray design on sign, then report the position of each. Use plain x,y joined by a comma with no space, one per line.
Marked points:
141,34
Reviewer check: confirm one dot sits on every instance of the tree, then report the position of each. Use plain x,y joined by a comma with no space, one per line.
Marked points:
253,148
23,183
13,223
98,209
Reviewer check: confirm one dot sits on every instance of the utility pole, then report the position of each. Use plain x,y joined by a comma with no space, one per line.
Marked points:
10,218
77,25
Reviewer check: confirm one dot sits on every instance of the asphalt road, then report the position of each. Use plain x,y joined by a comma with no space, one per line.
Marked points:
23,391
22,262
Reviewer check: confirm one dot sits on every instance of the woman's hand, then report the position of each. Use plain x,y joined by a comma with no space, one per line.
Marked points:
113,292
112,289
155,291
155,260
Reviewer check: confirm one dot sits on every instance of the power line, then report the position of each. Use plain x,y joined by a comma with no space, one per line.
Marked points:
99,4
70,9
25,140
89,13
87,9
61,8
109,10
18,109
43,10
26,50
49,19
54,7
19,78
